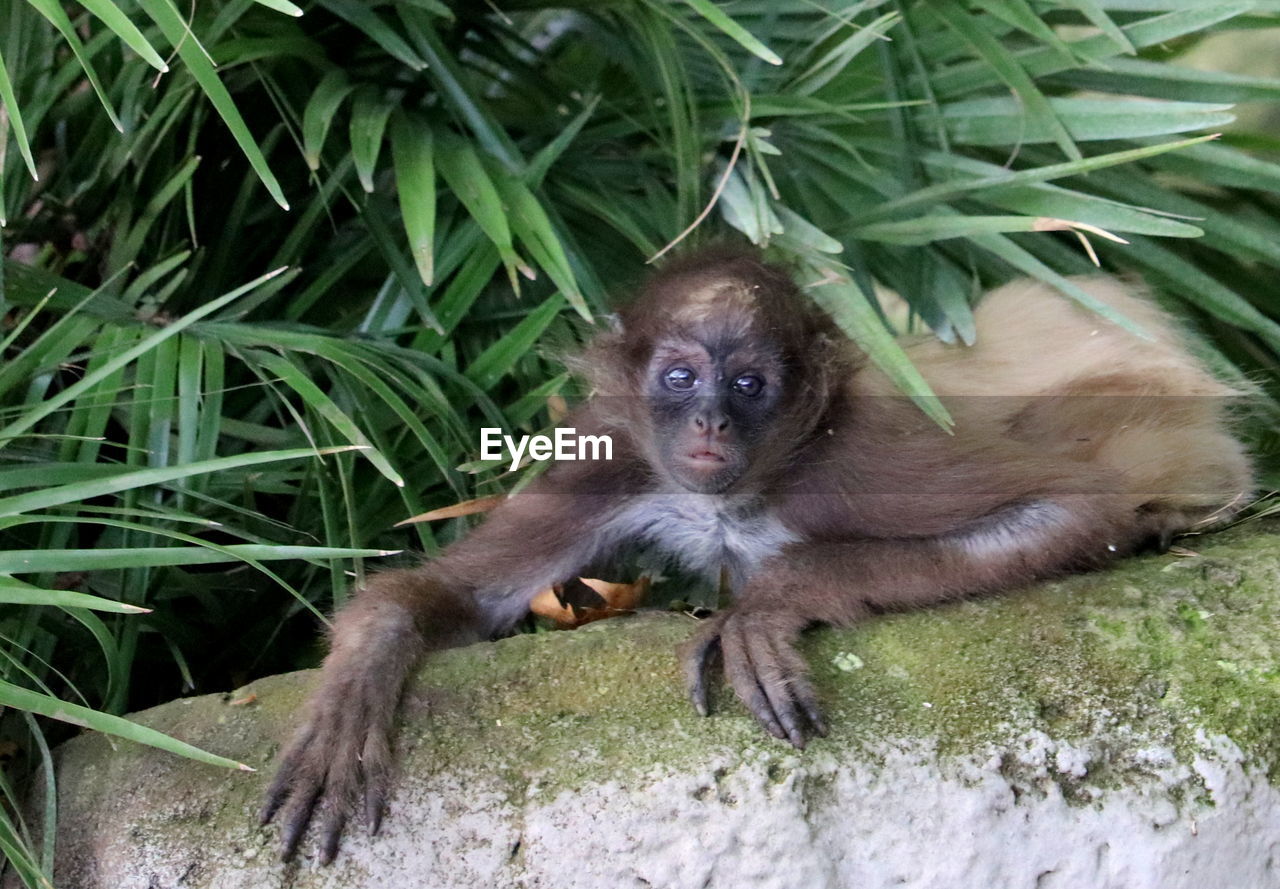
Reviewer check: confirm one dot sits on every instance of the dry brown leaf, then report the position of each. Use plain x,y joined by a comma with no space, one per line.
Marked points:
612,599
466,507
557,408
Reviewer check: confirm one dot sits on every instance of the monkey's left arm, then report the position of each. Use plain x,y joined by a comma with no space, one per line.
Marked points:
840,582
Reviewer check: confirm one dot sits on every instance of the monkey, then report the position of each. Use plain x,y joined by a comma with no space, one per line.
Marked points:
752,438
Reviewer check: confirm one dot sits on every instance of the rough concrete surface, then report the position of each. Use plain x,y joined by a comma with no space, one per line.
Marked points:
1110,731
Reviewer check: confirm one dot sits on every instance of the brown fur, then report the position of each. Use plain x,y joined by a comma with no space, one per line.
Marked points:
1075,443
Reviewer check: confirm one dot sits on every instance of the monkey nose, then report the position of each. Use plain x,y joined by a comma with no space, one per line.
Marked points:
711,423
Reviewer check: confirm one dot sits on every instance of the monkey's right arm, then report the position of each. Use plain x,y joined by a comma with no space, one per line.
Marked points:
340,759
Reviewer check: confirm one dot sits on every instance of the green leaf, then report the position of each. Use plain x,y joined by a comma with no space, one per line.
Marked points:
1094,12
851,309
53,11
413,155
1020,14
360,14
549,153
1187,19
37,413
534,229
14,111
924,229
947,191
193,56
1164,80
282,6
835,60
745,206
293,377
472,186
741,35
126,30
17,561
498,359
369,113
1035,108
447,74
24,699
1001,121
804,233
318,115
15,592
124,481
375,215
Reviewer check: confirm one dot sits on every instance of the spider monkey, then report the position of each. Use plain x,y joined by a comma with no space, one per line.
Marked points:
751,437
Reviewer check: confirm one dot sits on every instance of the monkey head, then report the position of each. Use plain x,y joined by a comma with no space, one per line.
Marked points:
713,392
732,365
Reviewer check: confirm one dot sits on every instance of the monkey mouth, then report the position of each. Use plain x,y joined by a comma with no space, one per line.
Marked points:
707,456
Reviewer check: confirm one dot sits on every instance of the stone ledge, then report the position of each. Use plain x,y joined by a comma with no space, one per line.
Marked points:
1109,731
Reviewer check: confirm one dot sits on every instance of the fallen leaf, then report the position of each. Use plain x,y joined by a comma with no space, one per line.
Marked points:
466,507
557,408
586,599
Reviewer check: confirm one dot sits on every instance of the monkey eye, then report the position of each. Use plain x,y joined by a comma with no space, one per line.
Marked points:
680,378
748,385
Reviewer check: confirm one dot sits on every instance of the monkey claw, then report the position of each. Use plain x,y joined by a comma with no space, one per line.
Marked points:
762,667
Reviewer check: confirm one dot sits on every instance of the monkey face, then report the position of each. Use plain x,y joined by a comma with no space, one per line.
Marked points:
711,405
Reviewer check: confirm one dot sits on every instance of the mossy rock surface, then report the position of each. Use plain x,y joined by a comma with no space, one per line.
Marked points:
1119,729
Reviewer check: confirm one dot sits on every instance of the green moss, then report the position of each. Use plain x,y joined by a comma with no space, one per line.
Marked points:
1161,647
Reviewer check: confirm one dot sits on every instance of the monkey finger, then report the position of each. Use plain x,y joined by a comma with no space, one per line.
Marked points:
775,682
335,820
744,681
295,818
802,691
286,775
276,795
695,659
376,762
813,712
375,806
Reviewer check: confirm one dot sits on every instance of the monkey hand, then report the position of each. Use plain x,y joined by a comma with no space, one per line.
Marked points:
339,757
763,668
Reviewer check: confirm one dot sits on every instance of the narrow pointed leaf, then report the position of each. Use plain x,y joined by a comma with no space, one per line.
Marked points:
125,481
413,155
282,6
37,413
323,405
15,592
126,30
54,12
361,14
715,16
499,358
471,184
14,111
34,702
1094,12
193,56
369,113
318,115
539,238
17,561
851,309
1036,107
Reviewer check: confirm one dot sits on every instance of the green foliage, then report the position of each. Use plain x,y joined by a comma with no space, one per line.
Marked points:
419,193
